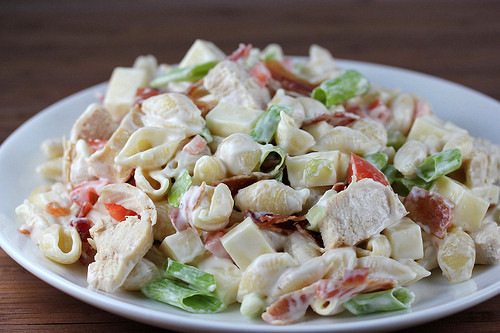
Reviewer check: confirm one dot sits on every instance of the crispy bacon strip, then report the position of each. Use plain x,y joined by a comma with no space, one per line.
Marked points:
243,51
288,80
195,145
213,244
334,119
290,307
353,282
283,224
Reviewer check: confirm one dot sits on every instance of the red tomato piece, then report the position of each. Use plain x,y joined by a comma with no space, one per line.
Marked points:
195,146
87,192
55,209
261,74
144,93
96,144
361,168
430,210
118,212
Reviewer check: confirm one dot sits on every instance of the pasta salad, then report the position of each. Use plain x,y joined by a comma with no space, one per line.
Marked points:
280,183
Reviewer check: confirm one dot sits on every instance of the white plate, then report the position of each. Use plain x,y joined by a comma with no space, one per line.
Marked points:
436,298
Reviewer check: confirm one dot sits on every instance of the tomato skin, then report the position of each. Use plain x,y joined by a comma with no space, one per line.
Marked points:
55,209
430,210
118,212
361,168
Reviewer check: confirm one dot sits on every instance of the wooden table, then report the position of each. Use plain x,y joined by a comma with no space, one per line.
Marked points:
51,49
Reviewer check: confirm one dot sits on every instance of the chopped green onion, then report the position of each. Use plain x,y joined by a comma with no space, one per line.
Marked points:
271,160
191,275
190,73
318,212
378,159
390,172
266,126
395,139
180,186
398,298
179,294
404,185
205,134
337,90
440,164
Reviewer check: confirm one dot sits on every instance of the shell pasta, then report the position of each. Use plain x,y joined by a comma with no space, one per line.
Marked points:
278,183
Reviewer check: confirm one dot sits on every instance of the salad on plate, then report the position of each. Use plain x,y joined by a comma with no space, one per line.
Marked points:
283,184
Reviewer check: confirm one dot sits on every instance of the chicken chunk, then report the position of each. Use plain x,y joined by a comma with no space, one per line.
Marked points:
487,241
94,124
229,81
362,210
120,241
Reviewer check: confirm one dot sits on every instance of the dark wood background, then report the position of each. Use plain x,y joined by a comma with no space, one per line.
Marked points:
51,49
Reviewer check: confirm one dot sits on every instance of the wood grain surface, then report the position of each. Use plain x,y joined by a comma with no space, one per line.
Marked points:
51,49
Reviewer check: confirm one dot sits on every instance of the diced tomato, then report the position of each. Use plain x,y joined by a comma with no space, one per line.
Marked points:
260,73
87,192
242,51
430,210
379,111
82,225
118,212
144,93
361,168
195,145
55,209
96,144
421,109
24,231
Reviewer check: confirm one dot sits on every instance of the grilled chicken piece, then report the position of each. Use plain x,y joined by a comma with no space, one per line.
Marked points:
94,124
122,233
364,209
229,81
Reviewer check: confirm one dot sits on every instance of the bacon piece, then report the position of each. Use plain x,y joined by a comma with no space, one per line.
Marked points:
379,111
421,109
181,216
195,145
82,226
195,92
354,281
213,244
283,224
238,182
243,51
288,80
290,307
430,210
334,119
144,93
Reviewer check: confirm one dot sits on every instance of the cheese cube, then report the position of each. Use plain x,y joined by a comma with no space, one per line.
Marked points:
183,246
469,210
297,173
122,89
200,52
226,119
406,240
227,277
245,243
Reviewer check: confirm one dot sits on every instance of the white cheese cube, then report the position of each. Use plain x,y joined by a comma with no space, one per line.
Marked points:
469,210
227,277
245,243
183,246
226,119
298,176
200,52
406,240
122,89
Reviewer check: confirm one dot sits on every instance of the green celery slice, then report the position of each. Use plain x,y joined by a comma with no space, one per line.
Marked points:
266,153
337,90
440,164
266,126
190,73
398,298
179,294
191,275
378,159
180,186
